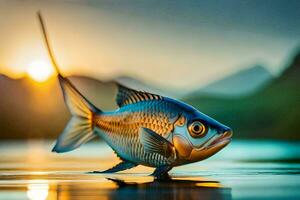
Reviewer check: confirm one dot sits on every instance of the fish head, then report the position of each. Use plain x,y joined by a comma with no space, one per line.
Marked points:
197,136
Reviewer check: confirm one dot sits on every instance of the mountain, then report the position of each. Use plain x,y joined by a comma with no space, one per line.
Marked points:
37,110
140,85
273,112
241,83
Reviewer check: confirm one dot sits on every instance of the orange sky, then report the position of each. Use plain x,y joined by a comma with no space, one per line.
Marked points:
106,40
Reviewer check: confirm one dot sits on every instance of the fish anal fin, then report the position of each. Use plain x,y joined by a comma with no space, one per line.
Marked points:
127,96
124,165
154,143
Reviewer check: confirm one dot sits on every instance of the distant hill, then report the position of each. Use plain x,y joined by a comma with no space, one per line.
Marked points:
241,83
37,110
273,112
140,85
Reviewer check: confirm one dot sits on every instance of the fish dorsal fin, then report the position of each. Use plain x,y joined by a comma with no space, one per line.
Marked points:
127,96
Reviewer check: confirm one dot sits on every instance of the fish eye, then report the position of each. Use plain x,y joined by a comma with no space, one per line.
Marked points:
197,129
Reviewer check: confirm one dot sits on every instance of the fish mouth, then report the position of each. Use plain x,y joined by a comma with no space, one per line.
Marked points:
217,140
212,146
224,139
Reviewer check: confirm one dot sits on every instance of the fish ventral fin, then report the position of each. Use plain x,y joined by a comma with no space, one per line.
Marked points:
124,165
127,96
154,143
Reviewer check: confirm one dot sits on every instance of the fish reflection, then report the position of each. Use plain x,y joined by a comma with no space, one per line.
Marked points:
170,189
145,188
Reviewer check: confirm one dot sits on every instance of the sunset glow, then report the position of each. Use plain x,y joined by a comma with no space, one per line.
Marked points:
38,190
39,70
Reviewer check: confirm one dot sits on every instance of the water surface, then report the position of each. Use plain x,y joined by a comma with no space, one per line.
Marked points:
244,170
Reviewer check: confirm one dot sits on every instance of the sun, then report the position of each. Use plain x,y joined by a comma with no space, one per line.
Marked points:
40,70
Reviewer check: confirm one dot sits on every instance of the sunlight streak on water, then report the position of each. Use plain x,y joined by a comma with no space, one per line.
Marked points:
37,190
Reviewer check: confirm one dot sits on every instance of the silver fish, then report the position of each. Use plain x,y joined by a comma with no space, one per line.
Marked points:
147,129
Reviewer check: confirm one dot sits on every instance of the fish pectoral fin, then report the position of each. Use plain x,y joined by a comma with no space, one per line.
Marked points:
119,167
154,143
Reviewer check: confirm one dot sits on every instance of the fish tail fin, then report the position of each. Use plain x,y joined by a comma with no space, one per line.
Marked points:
80,129
45,36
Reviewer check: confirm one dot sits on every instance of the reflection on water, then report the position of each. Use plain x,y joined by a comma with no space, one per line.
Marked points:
38,190
134,187
172,189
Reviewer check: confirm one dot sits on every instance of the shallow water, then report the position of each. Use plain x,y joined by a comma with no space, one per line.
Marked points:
243,170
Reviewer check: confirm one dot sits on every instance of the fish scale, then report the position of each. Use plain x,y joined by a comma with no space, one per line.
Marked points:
121,129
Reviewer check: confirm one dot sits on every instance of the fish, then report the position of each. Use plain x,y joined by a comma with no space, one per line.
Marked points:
147,129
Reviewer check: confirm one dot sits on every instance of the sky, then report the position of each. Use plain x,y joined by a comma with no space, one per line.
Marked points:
174,44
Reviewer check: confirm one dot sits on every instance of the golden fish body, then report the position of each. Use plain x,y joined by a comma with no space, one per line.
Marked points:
147,129
121,129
